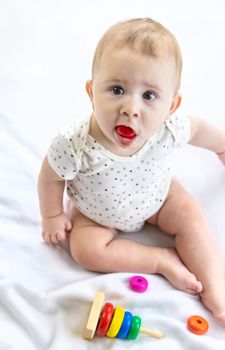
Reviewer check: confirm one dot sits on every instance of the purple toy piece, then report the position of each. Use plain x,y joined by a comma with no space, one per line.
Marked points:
138,284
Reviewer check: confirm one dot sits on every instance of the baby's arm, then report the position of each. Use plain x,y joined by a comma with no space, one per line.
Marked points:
207,136
55,223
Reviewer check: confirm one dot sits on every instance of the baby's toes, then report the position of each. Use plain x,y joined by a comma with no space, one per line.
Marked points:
221,318
193,285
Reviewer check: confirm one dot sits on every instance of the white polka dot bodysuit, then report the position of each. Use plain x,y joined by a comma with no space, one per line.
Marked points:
114,191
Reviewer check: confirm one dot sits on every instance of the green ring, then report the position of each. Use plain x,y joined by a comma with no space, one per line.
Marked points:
135,328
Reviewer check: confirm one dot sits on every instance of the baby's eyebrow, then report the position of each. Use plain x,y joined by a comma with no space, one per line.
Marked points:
152,86
115,81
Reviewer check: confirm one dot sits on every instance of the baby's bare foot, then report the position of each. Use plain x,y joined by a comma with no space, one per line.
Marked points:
214,300
177,273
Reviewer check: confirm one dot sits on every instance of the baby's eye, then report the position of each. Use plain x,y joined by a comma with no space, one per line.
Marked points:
149,95
117,90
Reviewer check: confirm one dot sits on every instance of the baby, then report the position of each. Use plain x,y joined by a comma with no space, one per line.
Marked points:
113,165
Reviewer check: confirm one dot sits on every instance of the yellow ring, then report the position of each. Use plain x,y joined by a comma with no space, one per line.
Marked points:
116,322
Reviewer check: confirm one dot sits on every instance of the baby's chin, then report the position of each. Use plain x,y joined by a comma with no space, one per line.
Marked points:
127,148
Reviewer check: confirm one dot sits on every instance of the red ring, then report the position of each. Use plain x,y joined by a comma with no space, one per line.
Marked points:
105,319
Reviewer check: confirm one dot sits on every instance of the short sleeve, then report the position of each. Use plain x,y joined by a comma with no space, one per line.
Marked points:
179,126
62,155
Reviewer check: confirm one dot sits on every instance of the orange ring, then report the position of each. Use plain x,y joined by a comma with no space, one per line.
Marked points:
197,324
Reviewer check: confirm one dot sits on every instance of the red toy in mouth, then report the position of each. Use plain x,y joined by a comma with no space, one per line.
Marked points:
125,131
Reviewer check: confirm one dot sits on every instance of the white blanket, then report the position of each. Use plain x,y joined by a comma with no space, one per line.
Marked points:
45,297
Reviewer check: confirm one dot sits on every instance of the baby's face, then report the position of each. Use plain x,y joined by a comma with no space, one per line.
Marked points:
132,96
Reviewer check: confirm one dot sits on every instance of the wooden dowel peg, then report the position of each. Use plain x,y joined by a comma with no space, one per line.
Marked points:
152,333
94,315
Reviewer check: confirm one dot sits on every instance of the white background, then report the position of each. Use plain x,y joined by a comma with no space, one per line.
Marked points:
46,50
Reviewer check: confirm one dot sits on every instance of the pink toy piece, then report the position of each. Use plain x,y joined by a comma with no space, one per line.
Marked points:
125,131
138,284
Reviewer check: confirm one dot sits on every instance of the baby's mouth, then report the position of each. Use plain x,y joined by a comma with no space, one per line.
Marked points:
125,131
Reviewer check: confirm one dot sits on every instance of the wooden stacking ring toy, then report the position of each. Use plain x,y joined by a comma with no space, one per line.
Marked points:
105,320
135,328
197,324
138,284
124,329
114,322
94,315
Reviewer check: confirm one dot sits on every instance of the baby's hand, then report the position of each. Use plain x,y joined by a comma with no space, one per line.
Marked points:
222,157
56,229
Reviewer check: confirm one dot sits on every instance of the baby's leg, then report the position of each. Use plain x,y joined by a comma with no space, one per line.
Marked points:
182,217
97,248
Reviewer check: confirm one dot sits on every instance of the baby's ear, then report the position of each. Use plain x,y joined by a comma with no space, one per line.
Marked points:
89,89
175,103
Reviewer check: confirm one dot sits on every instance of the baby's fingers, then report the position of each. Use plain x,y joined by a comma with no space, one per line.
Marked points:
52,238
68,226
49,238
61,236
46,237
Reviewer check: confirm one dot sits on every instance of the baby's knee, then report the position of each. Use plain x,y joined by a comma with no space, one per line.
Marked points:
180,215
82,254
190,217
190,207
181,203
87,255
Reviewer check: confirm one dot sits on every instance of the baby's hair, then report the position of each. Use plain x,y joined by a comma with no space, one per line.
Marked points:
142,35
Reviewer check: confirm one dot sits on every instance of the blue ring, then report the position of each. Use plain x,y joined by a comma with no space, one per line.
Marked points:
124,329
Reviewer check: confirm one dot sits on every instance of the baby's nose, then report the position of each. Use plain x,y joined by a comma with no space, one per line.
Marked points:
131,108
